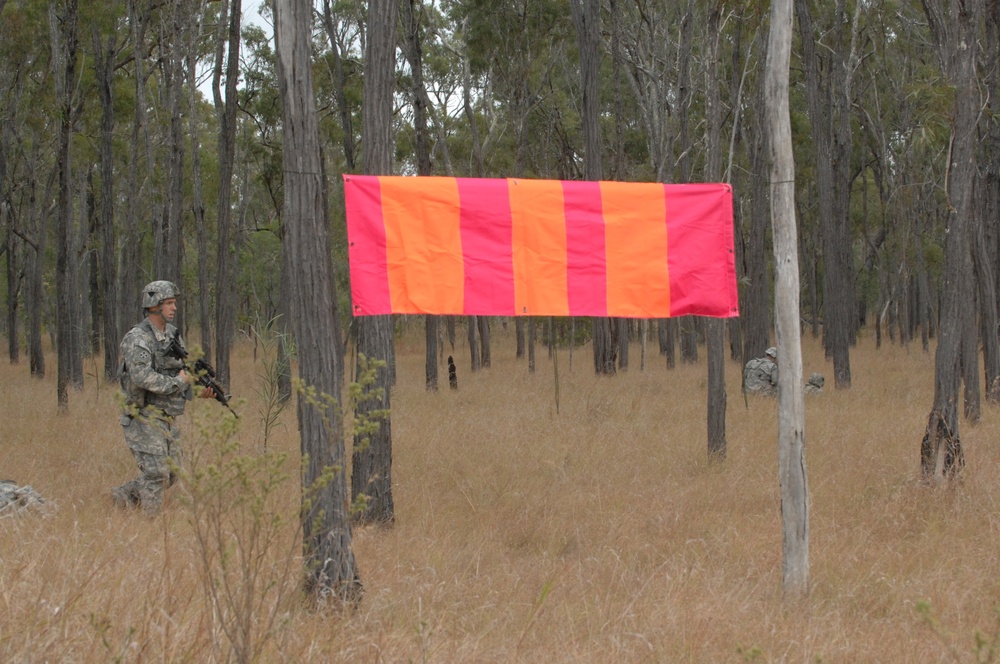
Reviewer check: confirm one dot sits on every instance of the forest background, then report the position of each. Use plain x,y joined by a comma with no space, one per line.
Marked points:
115,169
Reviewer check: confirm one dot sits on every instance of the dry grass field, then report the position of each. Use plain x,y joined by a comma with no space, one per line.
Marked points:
600,533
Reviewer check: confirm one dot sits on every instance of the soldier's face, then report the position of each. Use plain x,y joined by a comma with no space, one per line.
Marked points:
168,308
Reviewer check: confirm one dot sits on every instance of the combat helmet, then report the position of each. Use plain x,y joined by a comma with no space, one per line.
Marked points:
156,292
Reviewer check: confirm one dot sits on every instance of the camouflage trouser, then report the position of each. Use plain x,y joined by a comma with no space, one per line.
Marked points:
156,447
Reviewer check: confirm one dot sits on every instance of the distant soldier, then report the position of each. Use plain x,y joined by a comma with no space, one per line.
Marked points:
16,499
156,389
760,376
815,384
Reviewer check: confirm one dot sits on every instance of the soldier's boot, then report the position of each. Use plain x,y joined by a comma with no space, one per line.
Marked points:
124,496
151,497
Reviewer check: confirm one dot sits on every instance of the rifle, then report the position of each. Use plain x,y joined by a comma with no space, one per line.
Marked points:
202,370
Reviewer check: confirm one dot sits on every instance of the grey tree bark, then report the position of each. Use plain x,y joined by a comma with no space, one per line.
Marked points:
686,324
413,13
167,234
791,411
986,247
63,31
13,241
715,327
105,54
972,397
471,329
954,27
139,164
331,571
340,85
530,322
587,20
483,323
225,293
755,307
829,103
35,264
198,200
372,463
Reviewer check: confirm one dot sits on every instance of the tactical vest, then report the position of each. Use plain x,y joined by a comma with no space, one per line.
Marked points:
143,337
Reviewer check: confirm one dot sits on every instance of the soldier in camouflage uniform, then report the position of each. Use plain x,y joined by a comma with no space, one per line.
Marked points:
815,384
760,375
155,389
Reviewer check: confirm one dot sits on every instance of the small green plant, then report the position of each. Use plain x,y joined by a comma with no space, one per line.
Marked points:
245,541
275,356
364,421
751,654
985,648
536,610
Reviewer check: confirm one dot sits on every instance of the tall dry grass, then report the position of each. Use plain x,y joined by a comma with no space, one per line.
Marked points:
599,533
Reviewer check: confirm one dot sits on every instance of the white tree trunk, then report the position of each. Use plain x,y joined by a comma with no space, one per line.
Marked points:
791,410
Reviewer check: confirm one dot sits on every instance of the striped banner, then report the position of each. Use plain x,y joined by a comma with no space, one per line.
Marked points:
493,247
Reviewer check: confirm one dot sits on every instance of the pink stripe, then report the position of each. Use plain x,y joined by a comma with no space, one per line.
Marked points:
487,246
700,250
366,245
586,262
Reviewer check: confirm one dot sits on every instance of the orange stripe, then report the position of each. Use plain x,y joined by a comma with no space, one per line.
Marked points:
635,220
423,244
539,239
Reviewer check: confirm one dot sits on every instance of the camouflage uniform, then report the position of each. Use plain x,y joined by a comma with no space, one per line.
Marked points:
154,396
761,376
815,384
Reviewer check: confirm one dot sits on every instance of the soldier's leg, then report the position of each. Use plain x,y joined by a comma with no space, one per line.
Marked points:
155,476
175,452
148,440
126,495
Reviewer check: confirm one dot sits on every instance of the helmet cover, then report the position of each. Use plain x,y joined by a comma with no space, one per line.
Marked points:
156,292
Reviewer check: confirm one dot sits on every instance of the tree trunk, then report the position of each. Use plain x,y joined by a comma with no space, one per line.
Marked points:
986,225
955,35
225,291
621,325
471,328
755,303
331,571
167,259
830,111
198,211
340,88
64,44
530,322
972,401
484,341
8,222
89,266
431,355
519,337
587,20
130,285
104,64
414,55
372,467
987,246
791,411
35,296
716,327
